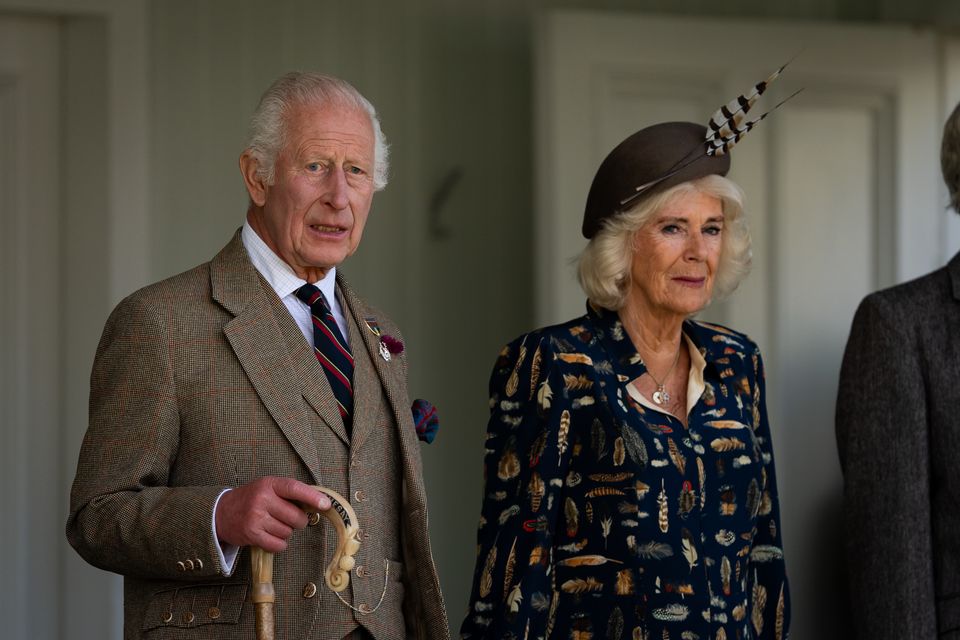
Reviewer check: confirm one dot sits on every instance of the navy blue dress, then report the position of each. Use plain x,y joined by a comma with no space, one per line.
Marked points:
604,519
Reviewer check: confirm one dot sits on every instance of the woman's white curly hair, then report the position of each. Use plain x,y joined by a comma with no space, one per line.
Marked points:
604,265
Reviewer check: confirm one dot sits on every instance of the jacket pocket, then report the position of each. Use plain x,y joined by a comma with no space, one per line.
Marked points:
196,606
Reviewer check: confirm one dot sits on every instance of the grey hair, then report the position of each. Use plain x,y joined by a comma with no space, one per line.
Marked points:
267,135
604,266
950,157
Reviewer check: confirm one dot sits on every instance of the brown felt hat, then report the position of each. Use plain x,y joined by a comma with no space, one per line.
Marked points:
650,161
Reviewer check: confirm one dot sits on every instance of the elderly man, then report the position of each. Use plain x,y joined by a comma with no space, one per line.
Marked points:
898,431
220,395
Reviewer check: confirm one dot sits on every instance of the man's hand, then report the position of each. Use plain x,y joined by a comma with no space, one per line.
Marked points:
266,512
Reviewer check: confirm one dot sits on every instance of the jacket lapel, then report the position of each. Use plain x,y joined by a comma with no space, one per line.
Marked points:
366,382
389,374
264,343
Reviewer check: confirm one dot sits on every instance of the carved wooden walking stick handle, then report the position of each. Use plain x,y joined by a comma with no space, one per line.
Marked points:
337,574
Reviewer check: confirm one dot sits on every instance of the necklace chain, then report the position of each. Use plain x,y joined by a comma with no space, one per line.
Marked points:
661,396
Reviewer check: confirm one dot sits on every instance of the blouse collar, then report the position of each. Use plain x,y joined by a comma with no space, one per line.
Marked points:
710,341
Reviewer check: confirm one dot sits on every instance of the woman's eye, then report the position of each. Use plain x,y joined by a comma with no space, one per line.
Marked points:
671,229
713,231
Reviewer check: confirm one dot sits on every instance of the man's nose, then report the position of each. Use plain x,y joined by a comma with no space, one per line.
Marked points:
337,190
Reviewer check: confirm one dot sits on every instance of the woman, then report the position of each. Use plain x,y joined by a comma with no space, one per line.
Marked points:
630,485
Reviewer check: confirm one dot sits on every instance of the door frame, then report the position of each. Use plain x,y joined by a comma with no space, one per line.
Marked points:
127,136
108,203
582,54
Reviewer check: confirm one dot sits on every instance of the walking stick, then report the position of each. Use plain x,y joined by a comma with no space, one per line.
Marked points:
336,576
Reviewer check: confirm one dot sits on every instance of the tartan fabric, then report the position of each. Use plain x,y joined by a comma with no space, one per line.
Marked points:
332,351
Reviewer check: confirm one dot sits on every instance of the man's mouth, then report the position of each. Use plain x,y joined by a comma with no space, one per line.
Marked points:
323,228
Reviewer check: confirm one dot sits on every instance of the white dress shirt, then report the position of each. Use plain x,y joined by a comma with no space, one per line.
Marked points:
285,282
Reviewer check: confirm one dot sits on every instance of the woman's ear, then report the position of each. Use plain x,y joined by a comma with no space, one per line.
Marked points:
252,178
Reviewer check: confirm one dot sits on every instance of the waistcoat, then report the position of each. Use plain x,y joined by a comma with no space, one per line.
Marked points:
368,473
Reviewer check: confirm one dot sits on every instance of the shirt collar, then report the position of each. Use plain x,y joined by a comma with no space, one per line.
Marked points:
627,361
278,273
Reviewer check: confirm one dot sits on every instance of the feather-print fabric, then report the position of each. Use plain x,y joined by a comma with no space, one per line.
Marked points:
605,519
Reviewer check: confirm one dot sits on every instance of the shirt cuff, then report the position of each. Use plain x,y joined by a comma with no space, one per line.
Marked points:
227,553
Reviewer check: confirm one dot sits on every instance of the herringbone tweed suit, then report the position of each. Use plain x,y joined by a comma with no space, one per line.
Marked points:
203,382
898,431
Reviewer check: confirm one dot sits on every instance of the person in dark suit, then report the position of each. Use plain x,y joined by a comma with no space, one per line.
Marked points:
630,488
898,435
220,395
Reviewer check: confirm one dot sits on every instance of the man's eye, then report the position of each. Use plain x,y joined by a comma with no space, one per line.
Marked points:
313,166
357,171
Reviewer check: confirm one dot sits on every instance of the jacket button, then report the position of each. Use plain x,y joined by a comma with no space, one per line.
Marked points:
198,562
168,617
181,566
365,608
360,495
214,613
314,519
361,571
188,617
189,564
309,590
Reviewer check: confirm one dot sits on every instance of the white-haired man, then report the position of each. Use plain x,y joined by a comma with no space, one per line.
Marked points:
220,395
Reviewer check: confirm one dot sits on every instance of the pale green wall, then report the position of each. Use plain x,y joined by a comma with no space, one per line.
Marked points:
453,82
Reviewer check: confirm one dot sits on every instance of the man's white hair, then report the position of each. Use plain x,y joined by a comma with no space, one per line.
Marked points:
268,124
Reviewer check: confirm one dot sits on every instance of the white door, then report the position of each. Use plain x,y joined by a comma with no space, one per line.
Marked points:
843,196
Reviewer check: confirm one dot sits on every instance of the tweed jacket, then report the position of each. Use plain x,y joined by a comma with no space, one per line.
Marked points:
603,518
898,434
203,382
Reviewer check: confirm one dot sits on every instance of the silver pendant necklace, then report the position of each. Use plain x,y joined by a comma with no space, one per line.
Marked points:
661,396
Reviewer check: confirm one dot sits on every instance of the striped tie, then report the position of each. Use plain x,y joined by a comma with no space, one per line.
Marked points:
331,349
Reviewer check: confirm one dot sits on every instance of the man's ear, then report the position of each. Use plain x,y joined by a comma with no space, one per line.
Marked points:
250,169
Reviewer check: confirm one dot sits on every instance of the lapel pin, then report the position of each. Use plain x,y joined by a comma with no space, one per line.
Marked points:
389,346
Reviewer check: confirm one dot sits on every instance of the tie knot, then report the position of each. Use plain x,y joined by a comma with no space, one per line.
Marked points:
312,296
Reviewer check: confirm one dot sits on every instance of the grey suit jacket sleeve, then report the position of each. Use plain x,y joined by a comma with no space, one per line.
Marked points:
123,515
883,440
